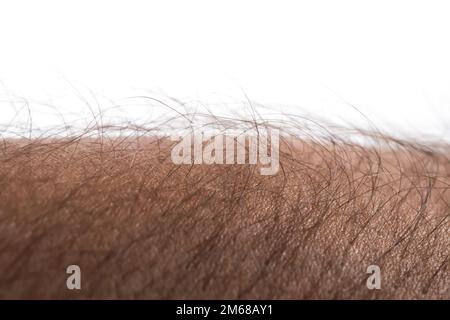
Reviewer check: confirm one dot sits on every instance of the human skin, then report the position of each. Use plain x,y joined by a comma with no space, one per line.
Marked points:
141,227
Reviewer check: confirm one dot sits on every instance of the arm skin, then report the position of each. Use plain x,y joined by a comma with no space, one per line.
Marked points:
140,227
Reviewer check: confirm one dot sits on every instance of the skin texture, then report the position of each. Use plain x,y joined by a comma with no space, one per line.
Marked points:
141,227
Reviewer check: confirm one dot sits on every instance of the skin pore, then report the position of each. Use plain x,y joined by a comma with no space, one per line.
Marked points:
139,226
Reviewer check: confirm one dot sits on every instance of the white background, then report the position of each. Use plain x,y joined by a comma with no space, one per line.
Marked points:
391,59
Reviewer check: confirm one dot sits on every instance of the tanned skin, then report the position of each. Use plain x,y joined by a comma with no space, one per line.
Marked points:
140,227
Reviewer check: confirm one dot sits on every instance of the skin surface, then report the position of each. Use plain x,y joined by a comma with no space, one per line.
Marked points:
141,227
